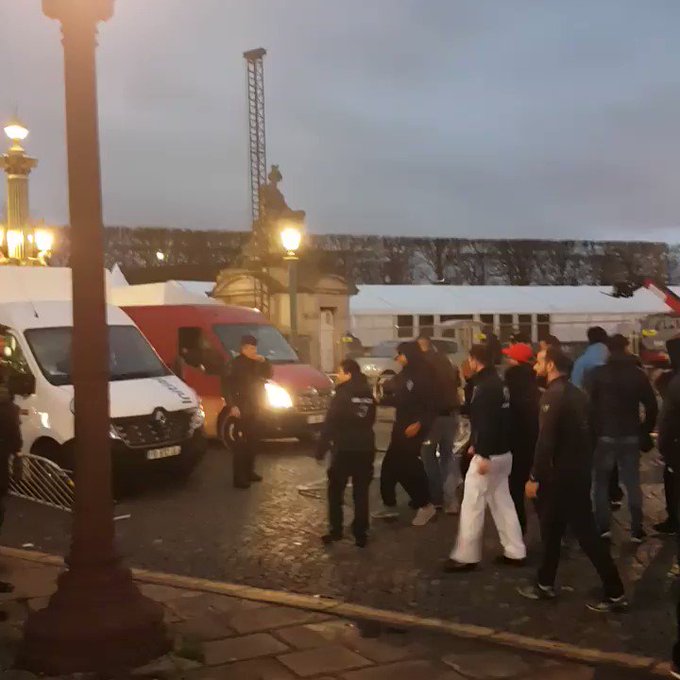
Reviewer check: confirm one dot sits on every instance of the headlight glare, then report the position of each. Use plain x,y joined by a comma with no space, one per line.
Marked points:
277,396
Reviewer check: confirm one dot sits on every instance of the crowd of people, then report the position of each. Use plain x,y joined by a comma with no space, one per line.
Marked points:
563,436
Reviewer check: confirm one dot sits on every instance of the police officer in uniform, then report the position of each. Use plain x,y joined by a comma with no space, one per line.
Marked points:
243,389
348,433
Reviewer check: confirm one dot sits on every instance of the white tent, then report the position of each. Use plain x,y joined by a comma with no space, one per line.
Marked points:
20,284
152,294
117,277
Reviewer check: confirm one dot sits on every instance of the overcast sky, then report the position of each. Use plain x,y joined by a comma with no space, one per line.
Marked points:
499,118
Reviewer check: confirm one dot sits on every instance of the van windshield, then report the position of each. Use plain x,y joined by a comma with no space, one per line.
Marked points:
130,355
270,343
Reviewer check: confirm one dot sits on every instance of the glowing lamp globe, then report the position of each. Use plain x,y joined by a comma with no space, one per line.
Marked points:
16,131
291,239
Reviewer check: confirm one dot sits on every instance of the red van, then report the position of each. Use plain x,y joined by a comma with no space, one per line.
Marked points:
195,341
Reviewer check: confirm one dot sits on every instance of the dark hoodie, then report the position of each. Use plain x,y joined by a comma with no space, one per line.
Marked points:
669,422
350,419
662,382
524,398
412,392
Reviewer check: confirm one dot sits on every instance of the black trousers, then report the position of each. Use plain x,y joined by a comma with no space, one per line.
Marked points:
569,505
615,492
670,484
357,466
244,452
402,465
522,460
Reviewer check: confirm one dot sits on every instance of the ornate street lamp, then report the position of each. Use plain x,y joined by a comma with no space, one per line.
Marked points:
17,166
291,238
97,620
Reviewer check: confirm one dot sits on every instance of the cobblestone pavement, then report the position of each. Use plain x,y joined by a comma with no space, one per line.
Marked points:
268,536
227,637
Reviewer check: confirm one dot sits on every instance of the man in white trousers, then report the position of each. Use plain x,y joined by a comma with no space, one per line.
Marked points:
486,482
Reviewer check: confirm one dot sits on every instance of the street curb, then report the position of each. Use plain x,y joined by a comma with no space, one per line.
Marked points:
348,610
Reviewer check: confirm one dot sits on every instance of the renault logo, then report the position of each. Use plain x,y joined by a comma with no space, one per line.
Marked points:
160,417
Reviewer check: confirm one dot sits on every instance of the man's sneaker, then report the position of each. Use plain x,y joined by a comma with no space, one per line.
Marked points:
535,591
606,535
638,537
452,508
424,515
666,527
453,567
509,561
329,538
675,670
609,604
254,477
385,513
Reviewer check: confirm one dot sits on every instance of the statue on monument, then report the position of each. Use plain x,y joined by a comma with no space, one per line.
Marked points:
274,212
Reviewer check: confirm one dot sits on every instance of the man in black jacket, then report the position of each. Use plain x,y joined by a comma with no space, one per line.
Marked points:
522,384
669,446
348,432
486,482
244,391
411,392
443,471
561,480
10,444
616,391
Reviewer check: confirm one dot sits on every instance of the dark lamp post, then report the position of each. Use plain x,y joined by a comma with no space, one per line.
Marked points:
97,620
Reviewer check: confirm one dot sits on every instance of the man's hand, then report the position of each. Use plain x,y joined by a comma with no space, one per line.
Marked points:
260,358
412,430
483,466
531,489
471,451
235,412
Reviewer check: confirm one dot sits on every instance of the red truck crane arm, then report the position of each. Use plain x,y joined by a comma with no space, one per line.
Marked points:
627,289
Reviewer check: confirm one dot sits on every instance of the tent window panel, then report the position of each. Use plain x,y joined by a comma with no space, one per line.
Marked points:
405,326
543,324
426,325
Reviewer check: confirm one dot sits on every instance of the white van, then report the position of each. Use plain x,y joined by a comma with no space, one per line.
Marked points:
156,420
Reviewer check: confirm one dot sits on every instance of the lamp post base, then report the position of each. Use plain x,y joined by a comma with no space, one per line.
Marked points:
97,621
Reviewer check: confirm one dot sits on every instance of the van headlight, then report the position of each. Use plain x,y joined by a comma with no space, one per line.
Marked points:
197,418
277,396
114,434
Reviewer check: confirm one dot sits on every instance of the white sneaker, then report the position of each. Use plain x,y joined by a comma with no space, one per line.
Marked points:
424,515
385,513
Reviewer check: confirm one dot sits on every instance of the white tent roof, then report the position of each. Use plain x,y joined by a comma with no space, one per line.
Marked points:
429,299
198,287
117,276
152,294
21,284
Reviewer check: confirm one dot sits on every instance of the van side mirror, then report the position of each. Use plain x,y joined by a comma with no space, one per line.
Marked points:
21,384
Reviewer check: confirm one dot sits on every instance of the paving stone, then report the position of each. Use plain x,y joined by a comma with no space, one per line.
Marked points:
489,665
388,648
211,626
187,607
253,669
331,659
271,617
239,648
562,671
165,593
166,667
407,670
318,634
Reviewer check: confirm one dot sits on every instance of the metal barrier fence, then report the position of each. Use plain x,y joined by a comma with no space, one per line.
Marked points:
40,480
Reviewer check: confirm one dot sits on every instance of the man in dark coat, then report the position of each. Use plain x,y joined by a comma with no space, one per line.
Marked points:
671,524
561,480
486,482
520,379
348,433
617,390
10,444
244,391
411,392
443,471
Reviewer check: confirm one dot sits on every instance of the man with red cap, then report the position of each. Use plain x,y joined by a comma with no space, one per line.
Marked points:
520,380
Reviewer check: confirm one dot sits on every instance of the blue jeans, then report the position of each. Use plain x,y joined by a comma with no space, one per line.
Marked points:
443,472
623,452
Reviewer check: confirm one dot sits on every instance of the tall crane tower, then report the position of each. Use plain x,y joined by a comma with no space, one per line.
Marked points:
256,127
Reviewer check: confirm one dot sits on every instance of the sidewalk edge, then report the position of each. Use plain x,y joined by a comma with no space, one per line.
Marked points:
320,604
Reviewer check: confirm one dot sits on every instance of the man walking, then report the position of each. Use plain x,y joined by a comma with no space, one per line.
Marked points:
10,444
561,480
411,392
244,391
616,391
443,470
348,432
522,384
486,482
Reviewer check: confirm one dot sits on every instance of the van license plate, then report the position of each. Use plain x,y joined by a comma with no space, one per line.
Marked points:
167,452
315,420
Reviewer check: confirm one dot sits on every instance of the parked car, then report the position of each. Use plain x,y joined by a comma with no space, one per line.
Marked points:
380,365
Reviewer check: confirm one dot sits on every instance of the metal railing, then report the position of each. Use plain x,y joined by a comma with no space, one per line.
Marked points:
42,481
